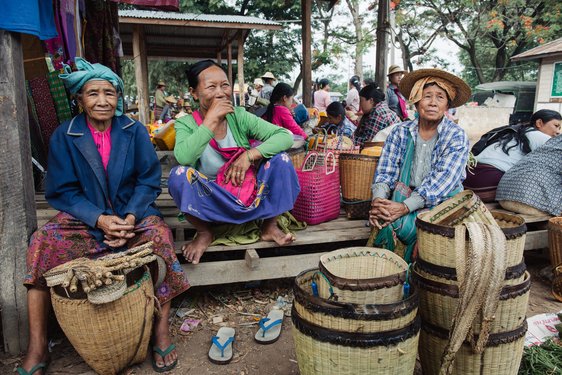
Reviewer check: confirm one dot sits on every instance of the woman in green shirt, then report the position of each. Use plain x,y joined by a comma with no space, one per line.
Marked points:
222,178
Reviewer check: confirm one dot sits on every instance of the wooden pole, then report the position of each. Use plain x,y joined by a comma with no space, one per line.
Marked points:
229,61
17,196
141,73
241,67
219,57
306,10
382,42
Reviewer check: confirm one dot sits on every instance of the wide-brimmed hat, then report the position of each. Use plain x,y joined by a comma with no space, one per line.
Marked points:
258,82
161,83
268,75
170,99
463,91
395,69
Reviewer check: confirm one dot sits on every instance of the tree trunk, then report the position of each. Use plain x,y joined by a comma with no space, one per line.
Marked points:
298,81
357,24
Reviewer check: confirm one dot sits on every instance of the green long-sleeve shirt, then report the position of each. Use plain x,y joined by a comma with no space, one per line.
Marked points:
191,139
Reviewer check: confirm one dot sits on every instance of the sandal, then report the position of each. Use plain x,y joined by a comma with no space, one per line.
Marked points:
37,367
268,334
163,354
221,351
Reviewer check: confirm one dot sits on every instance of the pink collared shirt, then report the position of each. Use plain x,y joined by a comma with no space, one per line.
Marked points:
102,140
282,117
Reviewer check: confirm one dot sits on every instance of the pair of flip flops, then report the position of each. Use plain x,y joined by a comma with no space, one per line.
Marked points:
221,351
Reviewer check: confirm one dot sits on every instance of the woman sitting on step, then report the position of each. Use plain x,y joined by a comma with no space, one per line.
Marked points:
104,178
423,161
222,178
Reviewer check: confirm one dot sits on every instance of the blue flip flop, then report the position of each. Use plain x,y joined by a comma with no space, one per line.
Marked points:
221,351
163,354
270,327
37,367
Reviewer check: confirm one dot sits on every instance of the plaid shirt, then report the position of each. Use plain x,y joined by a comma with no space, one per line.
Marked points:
380,117
448,160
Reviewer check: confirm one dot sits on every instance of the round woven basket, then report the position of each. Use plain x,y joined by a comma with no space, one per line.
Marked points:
321,351
356,178
348,317
363,275
555,241
297,156
436,243
439,301
112,336
557,283
465,206
502,355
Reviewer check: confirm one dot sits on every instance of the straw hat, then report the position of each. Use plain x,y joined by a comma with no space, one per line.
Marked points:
462,89
258,82
170,99
268,75
161,83
395,69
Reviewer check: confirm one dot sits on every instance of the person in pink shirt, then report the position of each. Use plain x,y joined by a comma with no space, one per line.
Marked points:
279,109
322,95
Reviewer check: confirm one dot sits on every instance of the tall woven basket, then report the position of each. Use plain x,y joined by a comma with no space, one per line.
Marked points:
333,338
463,207
555,241
113,336
356,178
363,275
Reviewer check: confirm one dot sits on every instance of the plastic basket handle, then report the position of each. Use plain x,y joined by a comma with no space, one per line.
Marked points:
326,162
304,166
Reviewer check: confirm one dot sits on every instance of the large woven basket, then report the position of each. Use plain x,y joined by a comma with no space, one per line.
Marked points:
356,178
463,207
555,241
502,355
112,336
363,275
349,317
436,243
297,156
439,301
321,351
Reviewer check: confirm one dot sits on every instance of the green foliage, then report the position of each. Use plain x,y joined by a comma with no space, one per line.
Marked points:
171,72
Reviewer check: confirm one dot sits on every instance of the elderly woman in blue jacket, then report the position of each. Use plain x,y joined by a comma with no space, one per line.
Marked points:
104,177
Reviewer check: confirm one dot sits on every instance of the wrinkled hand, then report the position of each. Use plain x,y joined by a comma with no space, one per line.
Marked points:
216,113
237,170
115,226
384,212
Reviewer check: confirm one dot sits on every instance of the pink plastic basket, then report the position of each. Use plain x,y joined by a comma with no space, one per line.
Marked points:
319,199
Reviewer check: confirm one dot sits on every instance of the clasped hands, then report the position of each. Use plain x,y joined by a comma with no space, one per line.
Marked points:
117,231
384,212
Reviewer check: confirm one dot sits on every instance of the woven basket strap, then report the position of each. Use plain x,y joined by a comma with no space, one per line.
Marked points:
142,332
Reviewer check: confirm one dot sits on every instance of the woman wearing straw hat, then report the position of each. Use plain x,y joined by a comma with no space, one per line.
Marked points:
104,178
267,89
396,101
423,161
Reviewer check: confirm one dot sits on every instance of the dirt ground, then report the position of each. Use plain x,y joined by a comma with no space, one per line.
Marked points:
240,306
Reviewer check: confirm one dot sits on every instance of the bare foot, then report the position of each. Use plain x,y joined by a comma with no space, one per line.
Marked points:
271,232
32,358
195,249
162,340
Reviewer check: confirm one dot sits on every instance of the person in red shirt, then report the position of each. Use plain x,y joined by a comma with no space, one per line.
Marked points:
279,109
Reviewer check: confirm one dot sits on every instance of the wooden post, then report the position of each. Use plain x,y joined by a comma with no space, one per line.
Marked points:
229,61
306,9
241,68
382,42
219,57
17,197
141,73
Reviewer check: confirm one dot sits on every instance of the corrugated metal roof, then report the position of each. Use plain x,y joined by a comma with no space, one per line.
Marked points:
547,49
154,14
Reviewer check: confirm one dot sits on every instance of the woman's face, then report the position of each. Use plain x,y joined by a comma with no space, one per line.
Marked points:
334,119
326,88
287,101
551,127
99,100
395,78
433,104
366,104
213,85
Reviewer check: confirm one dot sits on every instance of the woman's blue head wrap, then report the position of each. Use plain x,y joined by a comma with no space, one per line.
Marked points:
74,81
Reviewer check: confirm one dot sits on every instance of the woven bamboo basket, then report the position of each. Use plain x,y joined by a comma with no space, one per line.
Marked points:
555,241
439,301
348,317
436,243
557,283
297,156
356,178
502,355
363,275
321,351
463,207
112,336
